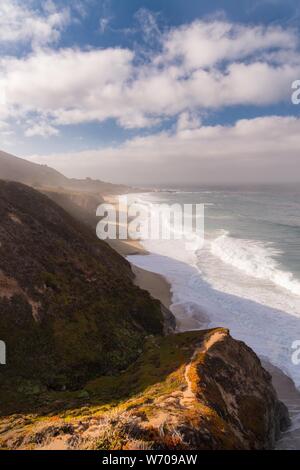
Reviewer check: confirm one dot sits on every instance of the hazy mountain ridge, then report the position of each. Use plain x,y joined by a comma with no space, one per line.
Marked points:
17,169
42,176
79,197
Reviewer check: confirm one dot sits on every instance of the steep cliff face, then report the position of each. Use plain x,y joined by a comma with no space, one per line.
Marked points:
227,377
197,390
68,306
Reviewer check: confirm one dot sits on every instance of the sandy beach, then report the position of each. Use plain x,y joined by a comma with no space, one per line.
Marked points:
160,289
157,285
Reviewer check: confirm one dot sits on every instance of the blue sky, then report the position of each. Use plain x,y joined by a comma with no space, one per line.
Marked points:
128,90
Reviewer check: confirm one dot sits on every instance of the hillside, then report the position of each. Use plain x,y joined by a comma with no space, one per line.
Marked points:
69,309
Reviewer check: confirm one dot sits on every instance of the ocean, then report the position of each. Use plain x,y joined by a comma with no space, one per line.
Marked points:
246,276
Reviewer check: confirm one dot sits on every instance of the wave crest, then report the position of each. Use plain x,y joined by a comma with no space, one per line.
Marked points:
255,258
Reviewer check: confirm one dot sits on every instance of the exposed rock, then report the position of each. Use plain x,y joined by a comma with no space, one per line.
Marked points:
228,377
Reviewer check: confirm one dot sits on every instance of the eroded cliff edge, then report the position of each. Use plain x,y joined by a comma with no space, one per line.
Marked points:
195,390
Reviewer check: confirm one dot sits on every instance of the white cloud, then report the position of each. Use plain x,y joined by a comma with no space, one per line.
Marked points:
201,66
20,23
254,150
187,121
42,129
207,43
70,85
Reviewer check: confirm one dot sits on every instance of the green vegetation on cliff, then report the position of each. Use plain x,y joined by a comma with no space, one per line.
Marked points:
194,390
68,307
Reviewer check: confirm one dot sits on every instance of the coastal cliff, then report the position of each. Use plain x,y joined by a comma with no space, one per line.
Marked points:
197,390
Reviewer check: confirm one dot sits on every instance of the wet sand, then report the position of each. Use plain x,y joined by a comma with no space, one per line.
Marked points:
157,285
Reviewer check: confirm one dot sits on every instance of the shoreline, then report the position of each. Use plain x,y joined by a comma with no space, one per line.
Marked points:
154,283
161,289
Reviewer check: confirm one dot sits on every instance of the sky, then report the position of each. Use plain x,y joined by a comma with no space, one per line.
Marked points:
152,92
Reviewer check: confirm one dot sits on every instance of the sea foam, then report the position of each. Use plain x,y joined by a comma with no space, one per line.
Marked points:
255,258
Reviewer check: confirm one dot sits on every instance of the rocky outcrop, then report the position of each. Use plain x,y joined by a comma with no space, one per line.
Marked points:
226,376
226,402
190,391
